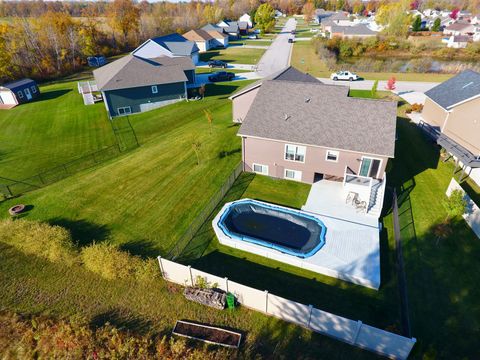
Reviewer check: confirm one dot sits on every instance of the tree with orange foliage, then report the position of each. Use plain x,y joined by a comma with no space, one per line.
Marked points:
124,17
308,11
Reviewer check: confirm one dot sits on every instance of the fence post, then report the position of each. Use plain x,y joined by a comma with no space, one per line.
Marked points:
161,266
309,315
191,276
266,301
357,332
226,284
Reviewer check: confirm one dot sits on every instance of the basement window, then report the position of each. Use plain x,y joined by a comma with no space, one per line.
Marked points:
154,89
124,110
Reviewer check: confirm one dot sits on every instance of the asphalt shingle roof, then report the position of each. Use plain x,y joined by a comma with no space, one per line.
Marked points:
197,35
17,84
177,44
132,71
360,29
457,89
321,115
288,74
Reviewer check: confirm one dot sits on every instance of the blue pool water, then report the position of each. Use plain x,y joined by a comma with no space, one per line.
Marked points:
289,231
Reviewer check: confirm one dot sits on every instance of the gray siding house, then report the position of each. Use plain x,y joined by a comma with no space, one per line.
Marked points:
133,84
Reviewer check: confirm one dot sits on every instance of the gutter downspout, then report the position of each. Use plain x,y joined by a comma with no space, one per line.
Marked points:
243,153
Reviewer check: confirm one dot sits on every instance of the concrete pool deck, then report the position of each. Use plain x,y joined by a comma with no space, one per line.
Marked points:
351,251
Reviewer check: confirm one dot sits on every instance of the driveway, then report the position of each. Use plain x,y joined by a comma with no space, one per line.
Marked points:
277,57
203,78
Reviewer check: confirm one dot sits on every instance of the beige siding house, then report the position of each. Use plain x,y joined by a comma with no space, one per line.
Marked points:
295,127
451,114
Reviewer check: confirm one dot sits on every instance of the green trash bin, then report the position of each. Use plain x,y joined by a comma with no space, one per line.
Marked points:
231,301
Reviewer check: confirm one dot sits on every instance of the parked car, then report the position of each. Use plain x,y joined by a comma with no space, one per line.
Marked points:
221,76
344,75
217,64
291,40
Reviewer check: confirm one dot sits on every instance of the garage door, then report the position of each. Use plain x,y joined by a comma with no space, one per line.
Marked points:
7,98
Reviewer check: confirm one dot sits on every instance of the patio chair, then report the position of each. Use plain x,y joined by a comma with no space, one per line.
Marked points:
351,197
360,205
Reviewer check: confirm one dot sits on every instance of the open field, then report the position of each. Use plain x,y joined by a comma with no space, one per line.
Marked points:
234,55
159,183
51,130
305,59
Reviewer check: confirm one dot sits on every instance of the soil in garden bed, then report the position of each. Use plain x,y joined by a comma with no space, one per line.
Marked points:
214,335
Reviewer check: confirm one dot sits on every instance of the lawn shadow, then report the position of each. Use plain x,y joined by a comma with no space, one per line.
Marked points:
218,90
334,295
83,232
122,320
223,154
49,95
143,248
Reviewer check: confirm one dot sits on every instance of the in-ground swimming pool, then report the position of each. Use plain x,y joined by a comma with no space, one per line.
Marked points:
289,231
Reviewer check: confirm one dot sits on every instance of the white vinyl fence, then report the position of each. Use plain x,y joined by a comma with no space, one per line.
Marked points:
353,332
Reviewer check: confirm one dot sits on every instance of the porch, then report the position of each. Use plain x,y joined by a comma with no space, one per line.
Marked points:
329,198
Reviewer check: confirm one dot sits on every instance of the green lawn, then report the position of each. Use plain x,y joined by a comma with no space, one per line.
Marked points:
147,198
305,59
51,130
235,55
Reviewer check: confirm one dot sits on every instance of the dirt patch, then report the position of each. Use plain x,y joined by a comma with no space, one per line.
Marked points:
207,333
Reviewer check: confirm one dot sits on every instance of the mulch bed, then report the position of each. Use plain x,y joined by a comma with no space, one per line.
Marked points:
208,334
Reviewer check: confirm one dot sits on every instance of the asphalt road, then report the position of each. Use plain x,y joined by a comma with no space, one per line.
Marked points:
277,56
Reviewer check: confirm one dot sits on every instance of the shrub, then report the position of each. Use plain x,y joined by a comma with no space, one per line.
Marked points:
112,263
417,107
455,204
53,243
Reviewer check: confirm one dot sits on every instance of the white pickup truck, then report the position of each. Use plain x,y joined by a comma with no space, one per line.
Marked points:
344,75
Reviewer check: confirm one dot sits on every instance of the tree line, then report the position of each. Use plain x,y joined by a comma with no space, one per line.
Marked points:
45,40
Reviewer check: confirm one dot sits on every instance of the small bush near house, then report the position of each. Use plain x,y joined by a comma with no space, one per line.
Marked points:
53,243
417,107
112,263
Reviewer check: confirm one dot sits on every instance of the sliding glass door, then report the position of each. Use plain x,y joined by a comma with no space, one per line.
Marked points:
369,167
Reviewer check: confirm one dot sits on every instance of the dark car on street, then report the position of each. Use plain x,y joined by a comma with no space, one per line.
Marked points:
221,76
217,64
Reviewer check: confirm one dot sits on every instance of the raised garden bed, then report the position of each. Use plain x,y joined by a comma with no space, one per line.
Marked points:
209,297
208,334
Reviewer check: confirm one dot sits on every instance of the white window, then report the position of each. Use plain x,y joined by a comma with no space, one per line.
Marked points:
154,89
34,89
260,169
20,94
293,175
295,153
124,110
332,156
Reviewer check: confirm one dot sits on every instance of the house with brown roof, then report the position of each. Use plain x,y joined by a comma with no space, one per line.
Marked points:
451,115
133,84
295,127
459,28
201,38
217,33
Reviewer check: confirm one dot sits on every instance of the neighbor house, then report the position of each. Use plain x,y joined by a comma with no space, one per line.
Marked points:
459,28
295,127
230,28
457,41
246,18
217,33
173,45
359,31
18,92
451,115
201,38
133,84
